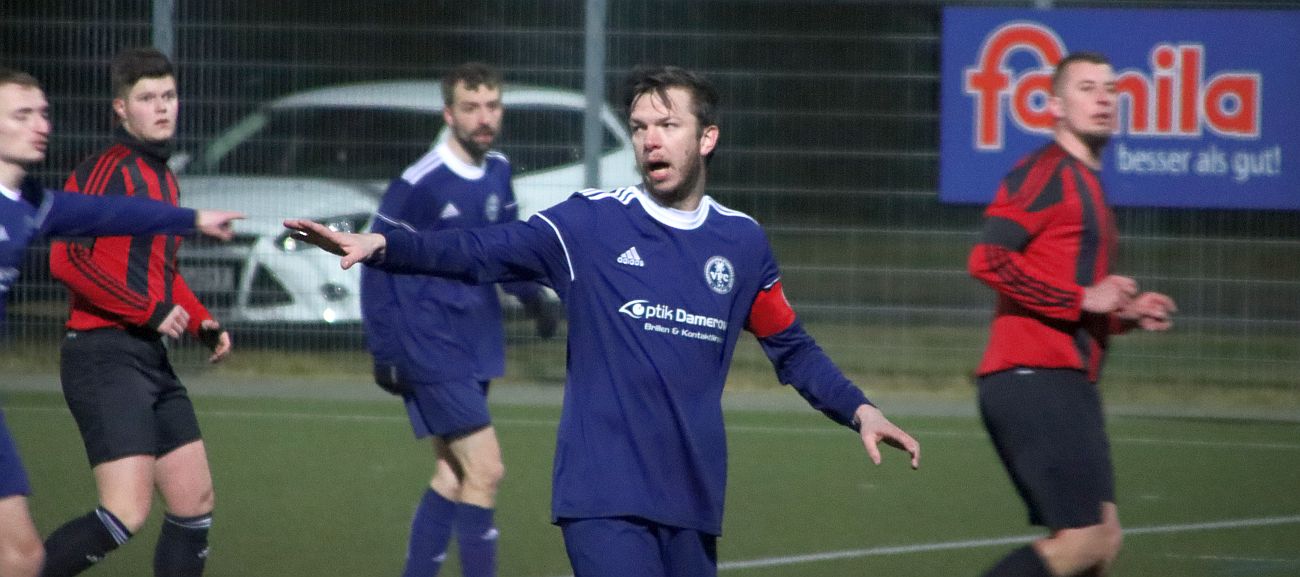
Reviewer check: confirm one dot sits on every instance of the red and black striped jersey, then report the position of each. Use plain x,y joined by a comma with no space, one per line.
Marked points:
1047,234
124,281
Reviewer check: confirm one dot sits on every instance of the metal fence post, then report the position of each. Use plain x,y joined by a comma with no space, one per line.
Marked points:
594,88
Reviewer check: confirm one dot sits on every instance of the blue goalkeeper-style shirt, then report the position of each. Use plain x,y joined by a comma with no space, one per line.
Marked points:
31,213
656,299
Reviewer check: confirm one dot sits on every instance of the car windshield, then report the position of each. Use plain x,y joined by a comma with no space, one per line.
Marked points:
337,142
360,143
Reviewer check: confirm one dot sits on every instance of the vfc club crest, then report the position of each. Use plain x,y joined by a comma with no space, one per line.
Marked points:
720,275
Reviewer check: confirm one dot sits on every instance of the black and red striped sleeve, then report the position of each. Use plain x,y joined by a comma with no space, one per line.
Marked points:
1027,203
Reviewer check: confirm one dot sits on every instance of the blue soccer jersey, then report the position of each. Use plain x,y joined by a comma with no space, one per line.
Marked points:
436,329
656,299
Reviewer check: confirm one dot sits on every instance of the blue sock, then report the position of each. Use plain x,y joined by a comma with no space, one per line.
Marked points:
430,533
478,541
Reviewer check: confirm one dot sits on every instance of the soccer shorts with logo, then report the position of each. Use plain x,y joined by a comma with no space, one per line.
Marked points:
124,395
1048,429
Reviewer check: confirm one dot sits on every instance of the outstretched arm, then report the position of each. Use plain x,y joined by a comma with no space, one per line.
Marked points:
501,253
800,363
72,214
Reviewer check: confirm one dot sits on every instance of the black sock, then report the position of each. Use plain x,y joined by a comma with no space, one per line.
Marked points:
182,546
82,542
1023,562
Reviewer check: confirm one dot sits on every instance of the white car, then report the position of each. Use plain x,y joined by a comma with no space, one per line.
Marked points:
328,154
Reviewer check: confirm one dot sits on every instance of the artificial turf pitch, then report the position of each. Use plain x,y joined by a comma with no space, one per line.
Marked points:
311,487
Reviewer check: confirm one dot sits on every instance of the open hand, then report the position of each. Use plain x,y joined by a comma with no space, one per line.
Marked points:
353,247
875,428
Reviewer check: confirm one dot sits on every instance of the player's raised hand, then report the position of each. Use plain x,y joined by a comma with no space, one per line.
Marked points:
354,248
216,223
875,428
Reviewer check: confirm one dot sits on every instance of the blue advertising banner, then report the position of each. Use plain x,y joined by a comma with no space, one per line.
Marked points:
1204,101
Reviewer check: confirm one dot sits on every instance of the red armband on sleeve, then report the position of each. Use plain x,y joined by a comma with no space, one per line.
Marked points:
770,313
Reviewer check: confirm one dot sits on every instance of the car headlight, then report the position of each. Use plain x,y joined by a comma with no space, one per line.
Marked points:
342,223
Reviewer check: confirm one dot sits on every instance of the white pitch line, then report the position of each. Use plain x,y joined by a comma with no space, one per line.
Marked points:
1234,559
978,543
829,429
993,542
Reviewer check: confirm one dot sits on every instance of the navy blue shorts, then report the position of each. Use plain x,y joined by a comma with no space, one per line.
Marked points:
634,547
448,409
1048,429
124,395
13,478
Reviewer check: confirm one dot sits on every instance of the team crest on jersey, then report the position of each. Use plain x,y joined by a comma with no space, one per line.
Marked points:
720,275
492,208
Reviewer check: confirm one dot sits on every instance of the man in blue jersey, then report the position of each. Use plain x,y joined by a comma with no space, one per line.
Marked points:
657,281
28,212
438,342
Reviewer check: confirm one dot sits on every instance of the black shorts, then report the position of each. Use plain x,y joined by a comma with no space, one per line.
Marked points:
1048,428
124,395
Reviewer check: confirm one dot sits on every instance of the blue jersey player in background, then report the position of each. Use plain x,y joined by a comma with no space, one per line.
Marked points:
437,342
658,280
28,212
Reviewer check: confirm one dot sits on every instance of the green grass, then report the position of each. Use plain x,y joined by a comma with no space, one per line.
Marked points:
310,487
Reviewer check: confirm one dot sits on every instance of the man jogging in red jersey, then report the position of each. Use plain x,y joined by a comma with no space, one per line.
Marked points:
1047,248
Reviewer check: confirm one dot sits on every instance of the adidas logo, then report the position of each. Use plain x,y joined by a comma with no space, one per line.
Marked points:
491,534
94,558
630,258
449,211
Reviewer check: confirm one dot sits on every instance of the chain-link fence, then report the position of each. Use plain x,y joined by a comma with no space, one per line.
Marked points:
829,138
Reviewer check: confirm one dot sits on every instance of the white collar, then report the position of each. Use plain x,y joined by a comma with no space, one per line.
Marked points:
676,218
462,169
10,193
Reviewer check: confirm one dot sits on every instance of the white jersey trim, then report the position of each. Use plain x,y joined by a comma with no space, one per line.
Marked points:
681,219
567,261
394,222
10,193
441,155
421,168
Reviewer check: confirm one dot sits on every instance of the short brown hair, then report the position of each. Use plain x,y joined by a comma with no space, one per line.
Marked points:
12,76
1058,76
130,65
704,97
472,75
